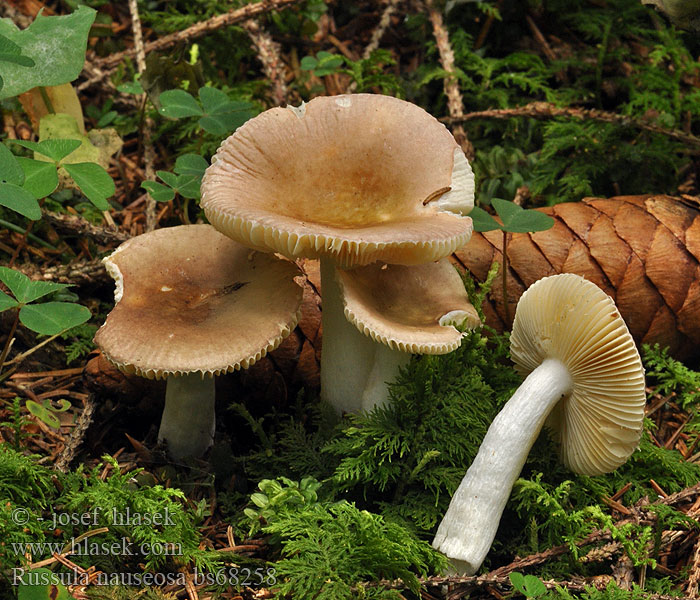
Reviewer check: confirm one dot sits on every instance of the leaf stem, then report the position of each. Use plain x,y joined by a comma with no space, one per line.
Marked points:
8,342
47,100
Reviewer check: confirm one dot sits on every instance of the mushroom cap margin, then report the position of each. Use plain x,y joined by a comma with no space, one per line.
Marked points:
191,300
413,309
343,176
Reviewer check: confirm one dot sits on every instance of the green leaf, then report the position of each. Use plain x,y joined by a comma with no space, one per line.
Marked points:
24,289
10,169
534,586
50,318
308,63
41,177
7,302
17,59
20,200
214,101
57,46
43,413
170,179
41,584
158,191
482,220
130,87
93,181
177,104
518,220
191,164
518,581
53,149
188,186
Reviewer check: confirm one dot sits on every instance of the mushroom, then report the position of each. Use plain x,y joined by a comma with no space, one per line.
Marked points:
397,311
191,303
585,378
351,180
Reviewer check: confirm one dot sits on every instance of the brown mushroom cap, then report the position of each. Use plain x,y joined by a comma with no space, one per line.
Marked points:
409,308
189,299
359,178
568,318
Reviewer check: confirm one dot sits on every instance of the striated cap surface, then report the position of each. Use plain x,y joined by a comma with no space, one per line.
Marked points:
188,299
568,318
359,178
415,309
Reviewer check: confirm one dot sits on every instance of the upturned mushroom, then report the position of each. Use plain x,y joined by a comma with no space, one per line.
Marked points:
190,304
395,311
350,180
585,378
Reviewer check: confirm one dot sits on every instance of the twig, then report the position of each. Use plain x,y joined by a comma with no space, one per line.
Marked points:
76,273
196,31
147,123
455,105
545,110
76,437
269,54
78,226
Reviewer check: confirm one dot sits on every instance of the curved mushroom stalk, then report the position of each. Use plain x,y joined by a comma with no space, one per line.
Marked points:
189,419
347,356
569,336
471,521
376,317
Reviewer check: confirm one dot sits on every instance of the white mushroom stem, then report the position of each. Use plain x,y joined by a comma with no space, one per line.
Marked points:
355,370
188,421
471,521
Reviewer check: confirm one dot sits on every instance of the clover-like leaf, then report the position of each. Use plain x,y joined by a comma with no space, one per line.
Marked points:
24,289
12,53
54,149
188,186
130,87
214,101
93,181
20,200
44,413
518,220
170,179
40,177
7,302
177,104
158,191
50,318
10,169
483,221
190,164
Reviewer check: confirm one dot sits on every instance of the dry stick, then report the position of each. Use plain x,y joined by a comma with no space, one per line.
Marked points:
545,110
455,105
147,131
76,437
250,11
76,273
269,54
75,225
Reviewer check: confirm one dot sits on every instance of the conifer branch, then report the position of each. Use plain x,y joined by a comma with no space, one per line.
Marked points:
545,110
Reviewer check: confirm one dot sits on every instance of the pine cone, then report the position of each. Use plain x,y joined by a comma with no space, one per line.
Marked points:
641,250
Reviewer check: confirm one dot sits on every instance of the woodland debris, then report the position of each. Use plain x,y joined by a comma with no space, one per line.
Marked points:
644,251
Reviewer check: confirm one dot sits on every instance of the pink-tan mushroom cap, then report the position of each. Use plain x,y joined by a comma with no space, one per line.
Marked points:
190,300
568,318
421,309
359,178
